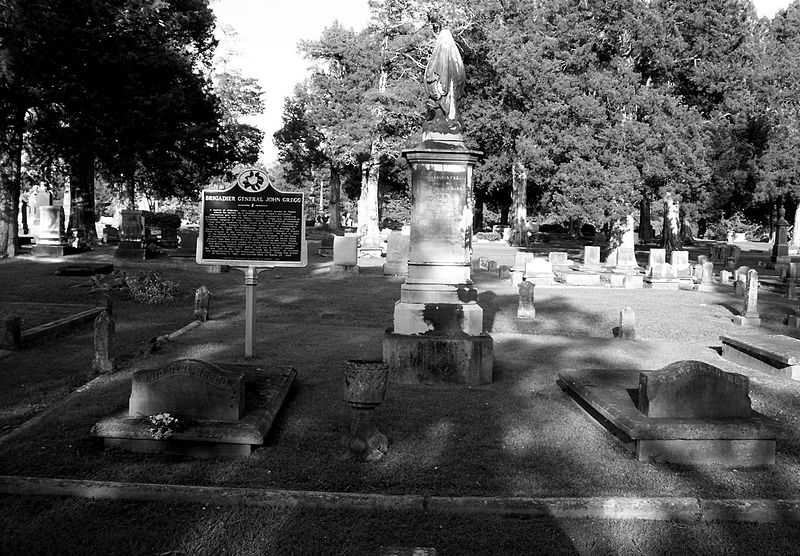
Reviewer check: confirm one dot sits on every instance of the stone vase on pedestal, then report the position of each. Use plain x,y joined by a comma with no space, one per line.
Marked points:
364,389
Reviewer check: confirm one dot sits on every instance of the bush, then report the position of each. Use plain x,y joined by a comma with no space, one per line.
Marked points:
161,220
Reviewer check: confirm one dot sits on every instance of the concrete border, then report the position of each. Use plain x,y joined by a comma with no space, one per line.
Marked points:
644,508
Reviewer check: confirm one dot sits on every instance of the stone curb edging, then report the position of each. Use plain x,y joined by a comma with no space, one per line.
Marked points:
656,508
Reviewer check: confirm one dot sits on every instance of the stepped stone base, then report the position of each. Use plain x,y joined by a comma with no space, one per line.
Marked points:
462,359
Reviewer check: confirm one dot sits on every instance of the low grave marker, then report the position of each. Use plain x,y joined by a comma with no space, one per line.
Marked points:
526,309
688,412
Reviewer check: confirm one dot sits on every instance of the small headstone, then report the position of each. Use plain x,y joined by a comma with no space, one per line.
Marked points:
739,288
398,250
626,258
202,300
741,271
791,290
521,259
680,263
104,361
345,250
794,269
750,309
10,332
483,263
539,271
526,309
492,266
725,277
657,257
504,272
190,388
707,276
591,257
627,324
105,301
701,259
558,258
693,390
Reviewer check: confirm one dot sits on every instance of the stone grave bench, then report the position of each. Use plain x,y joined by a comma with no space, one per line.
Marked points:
777,355
661,421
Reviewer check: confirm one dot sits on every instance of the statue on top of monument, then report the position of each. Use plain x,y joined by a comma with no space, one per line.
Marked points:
444,83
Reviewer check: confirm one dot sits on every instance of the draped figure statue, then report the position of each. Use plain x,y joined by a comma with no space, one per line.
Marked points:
444,83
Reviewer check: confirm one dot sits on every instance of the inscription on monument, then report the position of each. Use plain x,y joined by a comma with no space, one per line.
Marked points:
252,223
440,201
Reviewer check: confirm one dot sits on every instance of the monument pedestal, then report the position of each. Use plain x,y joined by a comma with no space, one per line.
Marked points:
438,325
433,359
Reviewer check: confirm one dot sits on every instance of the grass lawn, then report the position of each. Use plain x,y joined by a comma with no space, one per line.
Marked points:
519,436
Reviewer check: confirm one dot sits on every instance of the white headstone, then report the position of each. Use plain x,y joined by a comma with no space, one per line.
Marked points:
345,250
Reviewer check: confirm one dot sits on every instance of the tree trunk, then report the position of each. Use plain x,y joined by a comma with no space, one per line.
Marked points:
477,215
81,182
10,174
504,210
369,233
335,202
519,204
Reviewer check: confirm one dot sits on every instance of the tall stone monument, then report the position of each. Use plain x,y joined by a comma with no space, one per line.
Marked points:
438,325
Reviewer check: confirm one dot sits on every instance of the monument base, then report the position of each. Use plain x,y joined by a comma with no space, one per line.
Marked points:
39,250
132,250
426,359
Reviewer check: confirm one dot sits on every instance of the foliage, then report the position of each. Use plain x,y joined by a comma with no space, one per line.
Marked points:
161,220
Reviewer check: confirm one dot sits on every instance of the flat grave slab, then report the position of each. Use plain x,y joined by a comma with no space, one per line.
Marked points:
578,278
611,397
777,354
266,388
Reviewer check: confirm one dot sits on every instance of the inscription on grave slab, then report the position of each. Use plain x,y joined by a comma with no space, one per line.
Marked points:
692,390
252,224
188,388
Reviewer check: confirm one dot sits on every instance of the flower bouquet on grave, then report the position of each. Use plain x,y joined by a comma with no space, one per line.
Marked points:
163,425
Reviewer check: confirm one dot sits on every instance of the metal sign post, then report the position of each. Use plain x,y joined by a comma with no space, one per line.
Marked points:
253,227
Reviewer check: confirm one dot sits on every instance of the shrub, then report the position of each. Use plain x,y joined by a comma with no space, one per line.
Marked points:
161,220
149,288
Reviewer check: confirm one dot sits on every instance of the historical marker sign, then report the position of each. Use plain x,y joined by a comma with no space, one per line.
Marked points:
252,224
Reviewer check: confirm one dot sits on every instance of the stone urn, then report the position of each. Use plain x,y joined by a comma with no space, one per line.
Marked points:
364,389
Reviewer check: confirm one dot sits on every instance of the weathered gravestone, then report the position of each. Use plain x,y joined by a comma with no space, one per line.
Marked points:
688,412
725,277
591,258
680,263
345,255
526,309
559,258
706,277
749,315
51,241
539,271
504,271
627,324
780,249
218,410
483,263
398,248
104,361
10,332
693,390
190,388
202,300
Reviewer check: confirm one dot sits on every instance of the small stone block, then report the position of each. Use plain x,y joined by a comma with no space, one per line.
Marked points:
341,270
504,272
627,324
558,258
483,263
492,266
190,388
526,309
613,280
579,278
202,299
11,332
693,390
740,320
345,250
793,321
